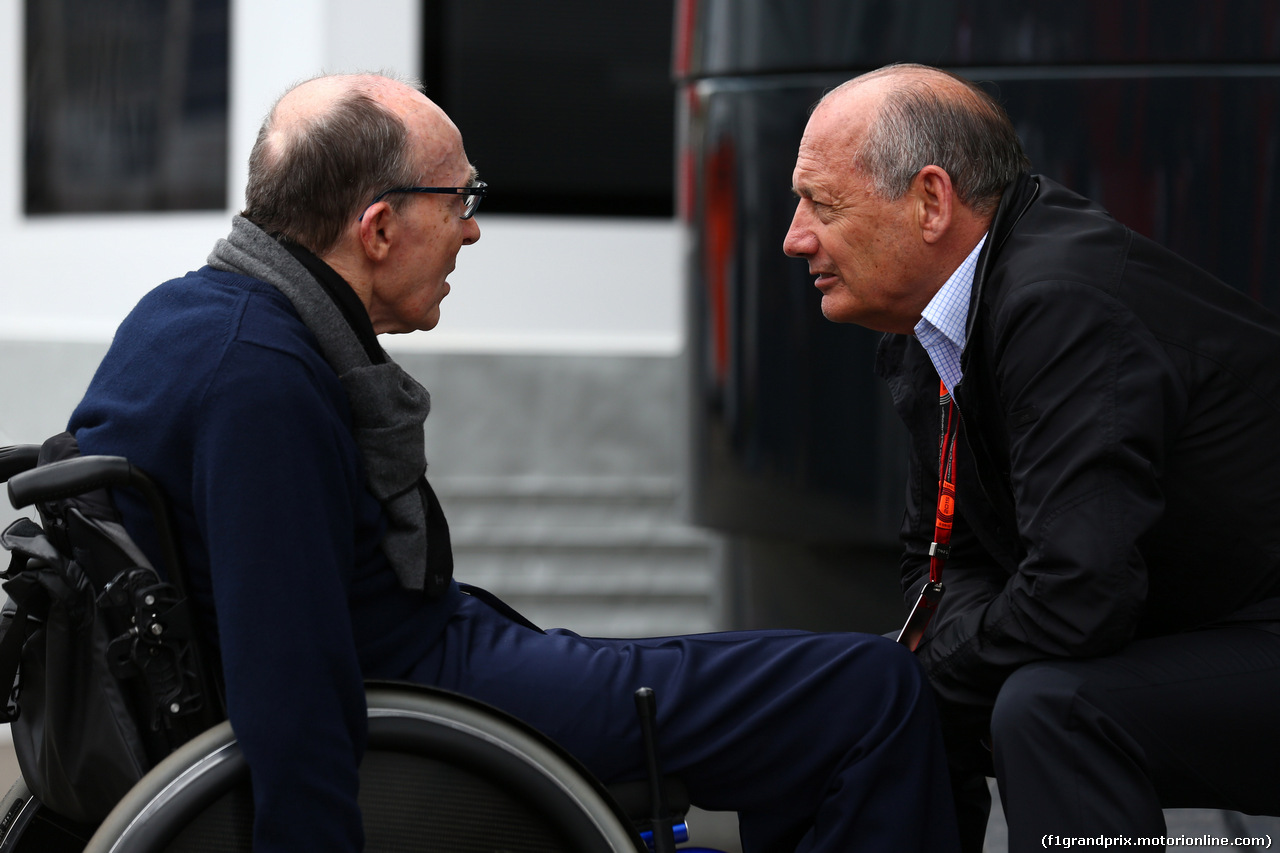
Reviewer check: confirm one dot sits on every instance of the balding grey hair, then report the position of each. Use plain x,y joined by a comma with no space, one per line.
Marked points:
966,133
310,178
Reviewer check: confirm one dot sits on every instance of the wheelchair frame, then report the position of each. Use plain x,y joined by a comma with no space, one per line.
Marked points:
183,800
425,739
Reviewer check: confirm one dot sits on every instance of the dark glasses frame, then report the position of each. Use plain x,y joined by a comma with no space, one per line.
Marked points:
474,194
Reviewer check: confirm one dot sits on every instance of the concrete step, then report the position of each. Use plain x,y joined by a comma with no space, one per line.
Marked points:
600,556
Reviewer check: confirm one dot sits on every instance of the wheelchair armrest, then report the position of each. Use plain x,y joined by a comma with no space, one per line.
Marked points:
17,458
69,477
79,475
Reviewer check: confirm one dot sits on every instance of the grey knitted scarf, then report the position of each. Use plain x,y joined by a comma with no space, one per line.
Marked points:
388,406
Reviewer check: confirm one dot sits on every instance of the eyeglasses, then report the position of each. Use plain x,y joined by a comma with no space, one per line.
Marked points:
474,193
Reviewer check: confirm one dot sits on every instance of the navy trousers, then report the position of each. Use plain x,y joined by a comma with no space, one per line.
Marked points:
1084,748
820,742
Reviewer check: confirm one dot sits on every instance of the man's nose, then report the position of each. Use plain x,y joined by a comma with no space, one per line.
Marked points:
472,231
799,240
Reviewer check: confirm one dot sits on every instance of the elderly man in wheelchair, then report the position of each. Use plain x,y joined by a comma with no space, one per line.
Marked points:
309,561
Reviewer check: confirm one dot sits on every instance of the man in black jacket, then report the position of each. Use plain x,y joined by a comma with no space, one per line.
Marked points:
1107,644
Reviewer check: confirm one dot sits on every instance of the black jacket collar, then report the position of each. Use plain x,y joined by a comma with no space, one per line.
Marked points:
1017,197
343,296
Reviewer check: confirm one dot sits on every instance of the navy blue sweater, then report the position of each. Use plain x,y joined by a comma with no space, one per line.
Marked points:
215,387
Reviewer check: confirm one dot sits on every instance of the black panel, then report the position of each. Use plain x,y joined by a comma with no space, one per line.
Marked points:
565,109
1190,161
126,105
783,36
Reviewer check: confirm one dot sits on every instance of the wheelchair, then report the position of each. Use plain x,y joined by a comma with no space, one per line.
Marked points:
441,772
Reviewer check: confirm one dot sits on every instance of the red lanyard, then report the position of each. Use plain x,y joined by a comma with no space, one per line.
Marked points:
940,549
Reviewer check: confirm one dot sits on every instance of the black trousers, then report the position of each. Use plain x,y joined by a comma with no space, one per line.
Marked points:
1098,747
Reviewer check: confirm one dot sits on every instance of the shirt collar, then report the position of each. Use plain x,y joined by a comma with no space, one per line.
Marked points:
941,329
948,311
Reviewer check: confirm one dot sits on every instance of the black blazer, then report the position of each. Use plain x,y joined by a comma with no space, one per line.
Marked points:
1119,469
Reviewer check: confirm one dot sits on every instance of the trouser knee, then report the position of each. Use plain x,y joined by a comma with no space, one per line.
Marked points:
901,678
1035,705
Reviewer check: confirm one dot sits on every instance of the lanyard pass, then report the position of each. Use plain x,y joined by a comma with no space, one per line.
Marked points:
930,596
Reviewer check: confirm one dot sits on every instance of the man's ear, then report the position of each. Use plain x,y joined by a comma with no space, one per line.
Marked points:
934,199
378,230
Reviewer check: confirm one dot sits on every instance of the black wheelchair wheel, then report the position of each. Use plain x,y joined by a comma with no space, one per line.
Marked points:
441,773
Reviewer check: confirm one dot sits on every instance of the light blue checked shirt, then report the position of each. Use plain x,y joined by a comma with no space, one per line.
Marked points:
942,323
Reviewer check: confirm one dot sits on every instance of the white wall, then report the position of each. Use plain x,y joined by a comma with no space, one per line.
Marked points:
541,284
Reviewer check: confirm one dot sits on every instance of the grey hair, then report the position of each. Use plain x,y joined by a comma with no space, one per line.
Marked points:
310,178
967,134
